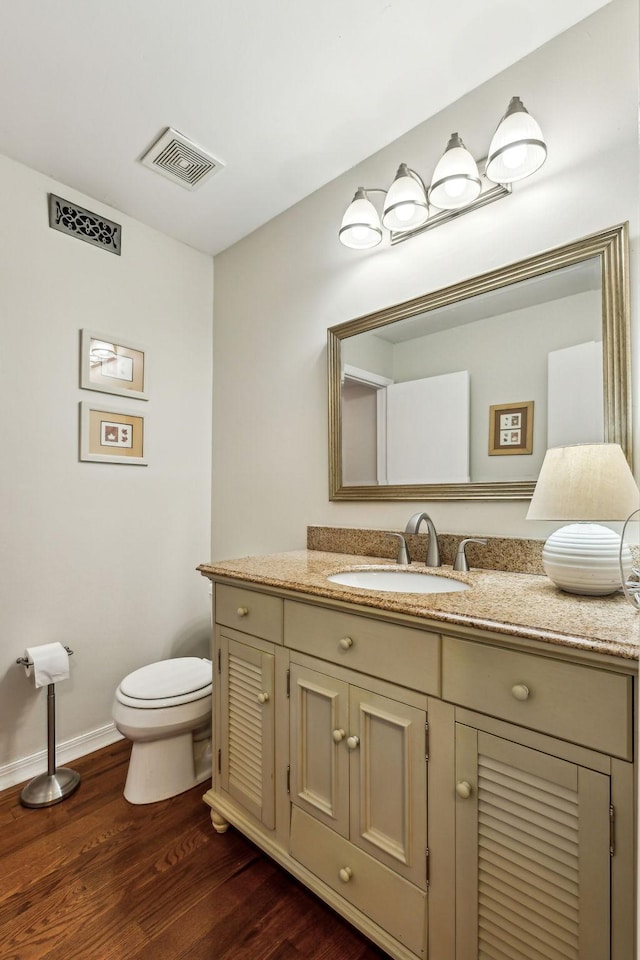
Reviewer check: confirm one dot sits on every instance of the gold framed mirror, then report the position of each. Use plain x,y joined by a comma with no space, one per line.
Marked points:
549,335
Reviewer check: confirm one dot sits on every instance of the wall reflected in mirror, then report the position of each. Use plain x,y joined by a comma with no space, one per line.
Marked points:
417,394
458,393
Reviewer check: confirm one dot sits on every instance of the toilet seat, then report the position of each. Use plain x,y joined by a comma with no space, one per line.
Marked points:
166,683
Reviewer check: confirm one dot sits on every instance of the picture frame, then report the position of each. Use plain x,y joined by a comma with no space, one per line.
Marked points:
111,365
111,435
511,429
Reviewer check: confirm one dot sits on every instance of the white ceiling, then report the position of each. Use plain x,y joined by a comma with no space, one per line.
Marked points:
289,94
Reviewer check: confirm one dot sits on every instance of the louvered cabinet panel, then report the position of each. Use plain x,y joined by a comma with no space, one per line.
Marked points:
247,727
389,782
319,718
532,854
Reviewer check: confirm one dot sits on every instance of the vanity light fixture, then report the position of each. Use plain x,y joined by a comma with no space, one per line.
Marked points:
456,181
517,150
585,483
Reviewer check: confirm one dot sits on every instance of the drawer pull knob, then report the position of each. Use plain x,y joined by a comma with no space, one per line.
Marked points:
520,691
353,742
242,611
263,697
338,735
463,789
345,643
345,874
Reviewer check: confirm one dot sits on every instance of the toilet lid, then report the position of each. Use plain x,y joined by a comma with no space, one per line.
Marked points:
167,678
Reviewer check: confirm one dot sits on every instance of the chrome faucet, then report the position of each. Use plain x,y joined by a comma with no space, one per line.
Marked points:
433,550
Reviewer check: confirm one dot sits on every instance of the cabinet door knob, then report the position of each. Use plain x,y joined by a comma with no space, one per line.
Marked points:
353,742
338,735
263,697
463,789
520,691
242,611
345,643
345,874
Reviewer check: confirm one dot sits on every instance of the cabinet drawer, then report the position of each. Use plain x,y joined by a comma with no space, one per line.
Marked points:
395,653
581,704
249,611
389,900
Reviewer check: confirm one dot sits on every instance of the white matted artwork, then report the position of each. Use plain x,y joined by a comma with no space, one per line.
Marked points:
112,366
109,435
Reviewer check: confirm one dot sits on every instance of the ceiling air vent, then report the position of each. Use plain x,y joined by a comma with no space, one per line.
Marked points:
180,160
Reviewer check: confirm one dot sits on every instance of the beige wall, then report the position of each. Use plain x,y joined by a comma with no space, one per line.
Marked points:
278,290
97,556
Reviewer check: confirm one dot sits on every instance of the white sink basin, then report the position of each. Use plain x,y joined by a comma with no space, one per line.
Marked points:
397,581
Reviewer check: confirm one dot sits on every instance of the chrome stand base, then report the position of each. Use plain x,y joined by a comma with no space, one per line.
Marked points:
50,788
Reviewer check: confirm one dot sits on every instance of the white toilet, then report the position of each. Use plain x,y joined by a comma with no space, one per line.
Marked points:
165,710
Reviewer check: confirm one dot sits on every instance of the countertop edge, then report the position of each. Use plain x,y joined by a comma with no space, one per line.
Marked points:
246,570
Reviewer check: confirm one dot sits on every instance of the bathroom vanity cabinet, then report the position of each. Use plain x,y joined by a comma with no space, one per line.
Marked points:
454,793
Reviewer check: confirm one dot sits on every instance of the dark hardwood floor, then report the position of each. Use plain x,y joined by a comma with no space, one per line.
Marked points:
95,878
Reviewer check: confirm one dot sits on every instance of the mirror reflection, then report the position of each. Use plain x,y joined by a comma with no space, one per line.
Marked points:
459,394
417,394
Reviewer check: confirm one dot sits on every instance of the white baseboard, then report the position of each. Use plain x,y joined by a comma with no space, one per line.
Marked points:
28,767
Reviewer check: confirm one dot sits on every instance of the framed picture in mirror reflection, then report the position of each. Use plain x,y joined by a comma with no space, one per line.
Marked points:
511,429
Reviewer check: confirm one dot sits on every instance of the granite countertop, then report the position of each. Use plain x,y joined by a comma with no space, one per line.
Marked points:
515,604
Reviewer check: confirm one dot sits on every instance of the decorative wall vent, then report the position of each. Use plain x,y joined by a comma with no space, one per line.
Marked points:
69,218
180,160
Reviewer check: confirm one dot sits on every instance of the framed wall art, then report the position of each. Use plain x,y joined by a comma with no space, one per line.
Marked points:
111,436
111,366
511,429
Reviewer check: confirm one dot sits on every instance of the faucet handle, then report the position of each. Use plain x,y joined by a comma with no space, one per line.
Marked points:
403,551
460,562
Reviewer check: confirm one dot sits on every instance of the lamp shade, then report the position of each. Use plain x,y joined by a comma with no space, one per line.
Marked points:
517,149
361,224
455,182
585,482
405,205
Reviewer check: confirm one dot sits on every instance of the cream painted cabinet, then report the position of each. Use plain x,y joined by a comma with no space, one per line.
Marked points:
247,724
358,789
358,764
532,853
250,668
514,840
544,827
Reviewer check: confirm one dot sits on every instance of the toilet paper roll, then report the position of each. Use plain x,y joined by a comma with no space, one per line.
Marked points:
48,663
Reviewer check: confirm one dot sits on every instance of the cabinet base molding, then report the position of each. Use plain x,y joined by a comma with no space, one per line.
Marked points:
227,812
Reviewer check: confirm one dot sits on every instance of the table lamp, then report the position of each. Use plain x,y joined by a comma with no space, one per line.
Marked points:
585,483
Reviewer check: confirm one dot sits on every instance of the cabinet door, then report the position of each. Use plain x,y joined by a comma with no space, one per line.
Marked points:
247,727
319,759
388,780
532,854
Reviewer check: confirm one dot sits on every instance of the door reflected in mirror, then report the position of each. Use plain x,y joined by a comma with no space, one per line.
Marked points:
458,394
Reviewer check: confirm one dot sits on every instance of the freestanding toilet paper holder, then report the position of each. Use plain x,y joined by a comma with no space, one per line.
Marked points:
56,784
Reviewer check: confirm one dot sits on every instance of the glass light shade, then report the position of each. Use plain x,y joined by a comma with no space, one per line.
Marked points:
517,149
585,482
101,351
455,182
360,228
405,205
